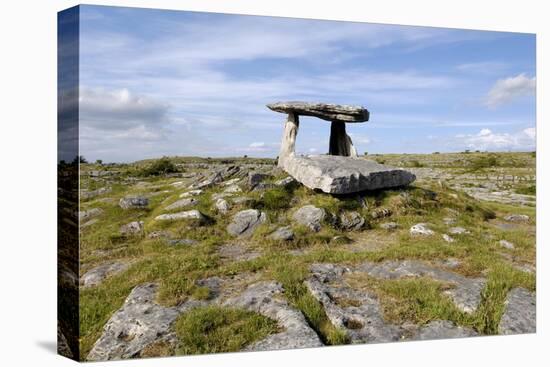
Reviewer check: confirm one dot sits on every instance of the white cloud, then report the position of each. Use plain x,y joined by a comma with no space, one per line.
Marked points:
482,67
259,147
506,90
259,144
120,109
486,139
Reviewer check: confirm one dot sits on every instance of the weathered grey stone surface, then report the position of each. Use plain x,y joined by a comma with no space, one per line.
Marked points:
189,214
286,182
282,234
266,299
466,294
517,218
88,214
182,203
421,229
390,226
94,193
447,238
98,274
310,216
325,111
449,220
506,244
443,329
232,189
191,193
245,222
255,178
132,228
138,323
133,202
351,221
222,206
458,230
344,175
237,252
520,315
356,312
381,213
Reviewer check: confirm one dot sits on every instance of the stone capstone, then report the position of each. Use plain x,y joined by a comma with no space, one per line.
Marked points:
325,111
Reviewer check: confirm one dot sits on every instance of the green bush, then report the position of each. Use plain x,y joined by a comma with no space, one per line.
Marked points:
415,163
276,199
527,190
159,167
484,162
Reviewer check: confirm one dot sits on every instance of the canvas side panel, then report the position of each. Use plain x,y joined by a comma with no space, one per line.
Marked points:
67,183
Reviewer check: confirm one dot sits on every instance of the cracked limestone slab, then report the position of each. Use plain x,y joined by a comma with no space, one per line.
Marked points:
265,298
520,314
139,323
443,329
466,294
356,312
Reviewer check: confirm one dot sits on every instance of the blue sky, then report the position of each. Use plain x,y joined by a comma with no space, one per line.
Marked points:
156,82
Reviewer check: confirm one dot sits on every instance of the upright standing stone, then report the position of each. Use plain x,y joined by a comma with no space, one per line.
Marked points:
341,171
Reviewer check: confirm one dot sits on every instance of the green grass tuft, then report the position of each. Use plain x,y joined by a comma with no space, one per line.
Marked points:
215,329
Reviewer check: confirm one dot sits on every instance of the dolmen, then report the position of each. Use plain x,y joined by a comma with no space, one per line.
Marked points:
341,171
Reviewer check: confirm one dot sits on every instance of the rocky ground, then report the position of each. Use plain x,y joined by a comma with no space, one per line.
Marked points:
193,255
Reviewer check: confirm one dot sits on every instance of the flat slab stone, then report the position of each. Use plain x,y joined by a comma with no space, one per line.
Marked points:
97,275
466,294
344,175
266,299
443,329
356,312
325,111
520,314
138,323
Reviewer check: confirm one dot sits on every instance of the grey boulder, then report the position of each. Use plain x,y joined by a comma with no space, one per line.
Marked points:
97,275
131,228
189,214
282,234
310,216
245,222
133,202
351,221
